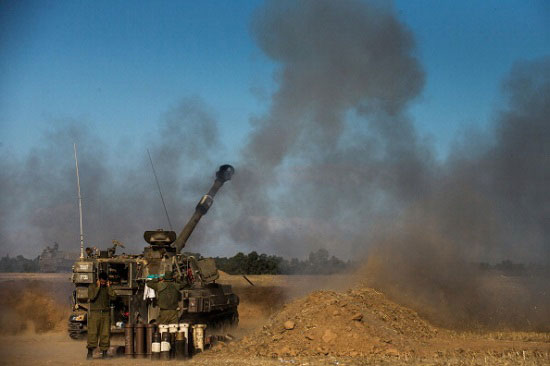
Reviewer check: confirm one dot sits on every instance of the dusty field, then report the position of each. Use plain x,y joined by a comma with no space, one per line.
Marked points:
294,320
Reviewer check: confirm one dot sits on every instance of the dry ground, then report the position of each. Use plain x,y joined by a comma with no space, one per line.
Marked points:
326,330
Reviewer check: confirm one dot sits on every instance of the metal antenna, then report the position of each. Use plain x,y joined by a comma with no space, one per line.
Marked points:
79,206
160,191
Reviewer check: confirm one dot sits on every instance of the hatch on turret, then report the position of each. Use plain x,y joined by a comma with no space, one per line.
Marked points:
159,237
208,270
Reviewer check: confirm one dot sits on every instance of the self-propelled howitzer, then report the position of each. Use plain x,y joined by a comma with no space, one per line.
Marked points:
203,300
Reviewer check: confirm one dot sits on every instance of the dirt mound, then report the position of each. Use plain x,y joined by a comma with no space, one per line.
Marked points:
32,306
257,304
354,323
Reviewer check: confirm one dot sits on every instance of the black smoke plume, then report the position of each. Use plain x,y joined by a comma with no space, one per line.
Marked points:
39,203
336,163
336,129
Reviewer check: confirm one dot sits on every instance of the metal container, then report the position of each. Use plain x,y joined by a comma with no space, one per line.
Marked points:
184,330
173,329
181,346
184,327
139,340
155,346
129,340
83,278
149,331
86,267
165,346
198,337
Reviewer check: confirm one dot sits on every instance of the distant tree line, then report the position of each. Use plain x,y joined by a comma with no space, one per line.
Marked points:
319,262
18,264
516,269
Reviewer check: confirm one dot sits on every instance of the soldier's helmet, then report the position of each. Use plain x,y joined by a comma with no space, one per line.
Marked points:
103,276
168,275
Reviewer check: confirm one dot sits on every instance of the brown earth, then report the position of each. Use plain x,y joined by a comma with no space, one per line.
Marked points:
282,322
35,305
362,324
352,323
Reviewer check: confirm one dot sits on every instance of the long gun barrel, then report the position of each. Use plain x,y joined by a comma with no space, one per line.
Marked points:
222,175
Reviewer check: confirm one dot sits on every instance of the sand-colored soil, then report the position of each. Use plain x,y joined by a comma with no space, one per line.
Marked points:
295,320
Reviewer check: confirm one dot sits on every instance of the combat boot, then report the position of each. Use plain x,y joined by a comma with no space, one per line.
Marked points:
104,354
90,354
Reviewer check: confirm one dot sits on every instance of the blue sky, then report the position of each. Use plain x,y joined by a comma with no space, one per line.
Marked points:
467,48
119,67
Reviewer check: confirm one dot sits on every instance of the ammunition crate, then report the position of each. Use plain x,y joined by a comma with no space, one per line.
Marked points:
83,277
82,293
83,267
123,292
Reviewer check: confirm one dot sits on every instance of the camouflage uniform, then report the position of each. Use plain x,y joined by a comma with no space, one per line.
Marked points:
168,296
99,316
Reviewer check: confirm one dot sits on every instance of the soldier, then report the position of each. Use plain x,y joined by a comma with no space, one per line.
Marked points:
99,317
89,252
168,295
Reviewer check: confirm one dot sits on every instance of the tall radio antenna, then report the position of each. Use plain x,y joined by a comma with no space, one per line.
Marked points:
79,205
160,191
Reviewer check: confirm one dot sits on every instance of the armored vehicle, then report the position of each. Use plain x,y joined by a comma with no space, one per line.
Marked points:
203,300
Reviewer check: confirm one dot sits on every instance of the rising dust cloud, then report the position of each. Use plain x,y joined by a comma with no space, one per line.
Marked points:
334,162
33,306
